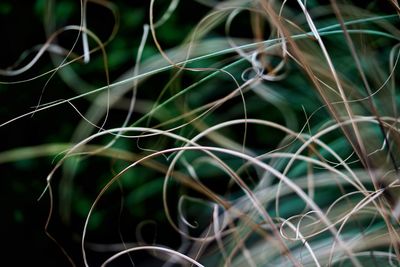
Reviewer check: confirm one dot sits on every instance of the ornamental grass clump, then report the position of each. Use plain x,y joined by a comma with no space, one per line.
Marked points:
215,133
